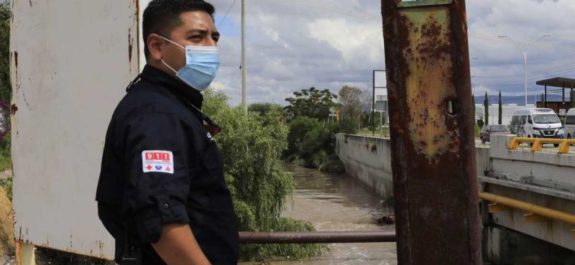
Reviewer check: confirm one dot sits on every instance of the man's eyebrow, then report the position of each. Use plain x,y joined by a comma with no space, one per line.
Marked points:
204,32
201,31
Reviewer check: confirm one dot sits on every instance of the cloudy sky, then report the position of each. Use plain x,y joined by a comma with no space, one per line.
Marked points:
297,44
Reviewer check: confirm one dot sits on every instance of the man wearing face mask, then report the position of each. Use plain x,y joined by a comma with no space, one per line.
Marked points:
161,192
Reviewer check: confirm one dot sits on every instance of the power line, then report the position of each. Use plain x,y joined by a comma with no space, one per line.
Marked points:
227,13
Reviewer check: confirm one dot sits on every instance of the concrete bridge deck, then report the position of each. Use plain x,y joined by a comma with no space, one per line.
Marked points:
545,179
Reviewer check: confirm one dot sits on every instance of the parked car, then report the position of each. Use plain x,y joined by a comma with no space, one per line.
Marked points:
537,123
488,130
570,123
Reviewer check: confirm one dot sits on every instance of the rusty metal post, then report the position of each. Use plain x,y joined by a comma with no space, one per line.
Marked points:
432,136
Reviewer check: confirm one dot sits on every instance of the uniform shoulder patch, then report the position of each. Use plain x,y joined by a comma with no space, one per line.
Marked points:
158,161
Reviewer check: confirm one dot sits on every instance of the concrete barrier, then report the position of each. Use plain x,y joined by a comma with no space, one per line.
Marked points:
542,178
368,159
543,169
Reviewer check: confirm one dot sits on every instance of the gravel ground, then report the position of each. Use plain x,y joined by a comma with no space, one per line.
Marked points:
8,260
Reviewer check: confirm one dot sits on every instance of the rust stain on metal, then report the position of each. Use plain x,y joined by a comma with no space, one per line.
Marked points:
19,251
428,84
433,159
15,58
137,16
101,247
13,109
130,45
137,11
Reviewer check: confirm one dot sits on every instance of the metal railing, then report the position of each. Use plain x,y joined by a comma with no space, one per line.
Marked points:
537,143
498,204
317,237
533,211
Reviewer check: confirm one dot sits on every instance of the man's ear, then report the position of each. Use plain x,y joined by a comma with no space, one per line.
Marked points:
155,45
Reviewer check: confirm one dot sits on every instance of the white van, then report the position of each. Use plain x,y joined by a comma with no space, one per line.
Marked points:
537,123
570,123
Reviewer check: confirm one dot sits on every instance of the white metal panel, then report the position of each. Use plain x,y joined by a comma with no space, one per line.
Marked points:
70,64
143,5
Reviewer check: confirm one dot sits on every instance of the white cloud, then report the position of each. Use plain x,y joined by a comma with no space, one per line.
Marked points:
296,44
351,39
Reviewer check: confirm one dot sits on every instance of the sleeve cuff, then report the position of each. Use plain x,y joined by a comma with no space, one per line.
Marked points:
151,223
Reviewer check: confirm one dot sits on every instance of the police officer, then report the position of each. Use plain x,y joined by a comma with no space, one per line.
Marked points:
161,192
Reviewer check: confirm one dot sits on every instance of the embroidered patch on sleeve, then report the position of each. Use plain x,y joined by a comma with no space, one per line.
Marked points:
158,161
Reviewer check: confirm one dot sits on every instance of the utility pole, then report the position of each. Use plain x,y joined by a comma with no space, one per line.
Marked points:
524,56
244,66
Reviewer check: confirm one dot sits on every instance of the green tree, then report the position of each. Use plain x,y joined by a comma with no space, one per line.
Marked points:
351,108
480,123
500,116
298,128
264,108
310,102
252,145
5,88
486,108
310,141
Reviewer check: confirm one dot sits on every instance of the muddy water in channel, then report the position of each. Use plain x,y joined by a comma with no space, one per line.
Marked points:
339,203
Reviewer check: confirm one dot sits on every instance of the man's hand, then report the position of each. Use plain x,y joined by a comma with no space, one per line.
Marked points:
178,246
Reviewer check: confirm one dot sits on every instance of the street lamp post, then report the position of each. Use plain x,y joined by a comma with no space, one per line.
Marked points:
524,56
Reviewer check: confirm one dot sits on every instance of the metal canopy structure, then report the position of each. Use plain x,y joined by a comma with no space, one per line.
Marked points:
563,83
558,82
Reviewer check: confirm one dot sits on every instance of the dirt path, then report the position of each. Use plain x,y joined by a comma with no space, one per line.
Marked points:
6,226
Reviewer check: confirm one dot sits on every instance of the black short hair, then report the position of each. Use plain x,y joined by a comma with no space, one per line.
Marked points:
161,16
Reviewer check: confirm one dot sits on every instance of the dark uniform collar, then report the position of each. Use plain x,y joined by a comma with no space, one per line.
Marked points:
173,84
181,90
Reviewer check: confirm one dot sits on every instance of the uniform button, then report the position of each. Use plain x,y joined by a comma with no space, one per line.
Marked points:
166,205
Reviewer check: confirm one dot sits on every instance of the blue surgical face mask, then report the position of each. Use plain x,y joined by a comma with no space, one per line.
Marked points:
202,63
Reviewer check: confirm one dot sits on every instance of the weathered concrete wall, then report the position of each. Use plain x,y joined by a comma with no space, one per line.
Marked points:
368,159
544,169
542,178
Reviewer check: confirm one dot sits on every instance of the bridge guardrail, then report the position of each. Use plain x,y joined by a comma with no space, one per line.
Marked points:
537,143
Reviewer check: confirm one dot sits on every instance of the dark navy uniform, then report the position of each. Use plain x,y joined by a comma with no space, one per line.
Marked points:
161,166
